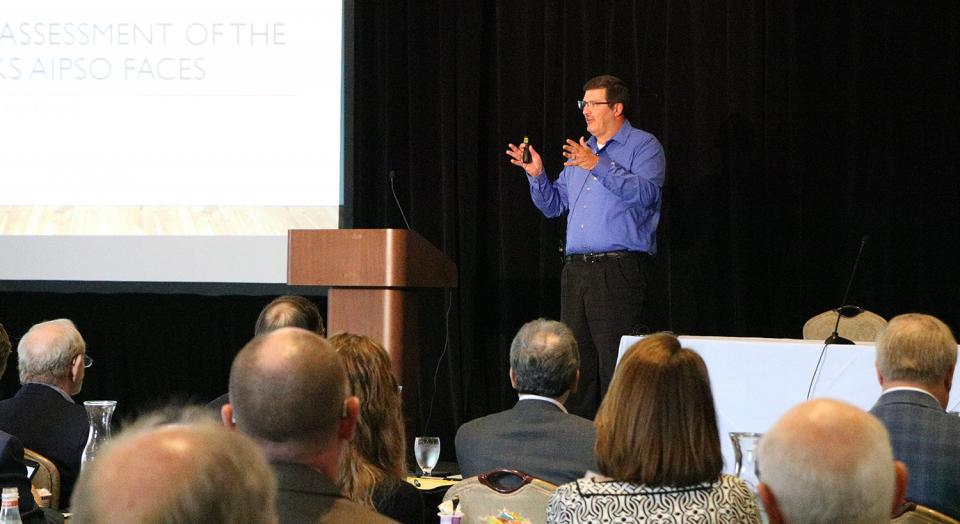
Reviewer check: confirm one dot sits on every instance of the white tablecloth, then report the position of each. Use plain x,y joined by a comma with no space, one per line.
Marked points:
756,380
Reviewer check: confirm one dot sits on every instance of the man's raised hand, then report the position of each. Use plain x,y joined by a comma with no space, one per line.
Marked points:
580,154
534,167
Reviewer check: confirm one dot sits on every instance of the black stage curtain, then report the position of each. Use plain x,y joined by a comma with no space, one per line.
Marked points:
791,130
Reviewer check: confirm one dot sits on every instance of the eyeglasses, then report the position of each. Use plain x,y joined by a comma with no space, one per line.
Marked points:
591,104
87,361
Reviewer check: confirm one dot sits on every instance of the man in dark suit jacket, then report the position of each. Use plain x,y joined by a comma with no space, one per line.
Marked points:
289,391
51,358
306,495
13,472
916,358
537,436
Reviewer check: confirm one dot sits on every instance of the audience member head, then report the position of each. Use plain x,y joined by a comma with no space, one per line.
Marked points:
379,445
657,425
187,471
827,461
52,352
917,350
5,348
290,311
288,391
544,359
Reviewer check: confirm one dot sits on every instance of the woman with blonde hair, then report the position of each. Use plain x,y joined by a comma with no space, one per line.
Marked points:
658,447
373,469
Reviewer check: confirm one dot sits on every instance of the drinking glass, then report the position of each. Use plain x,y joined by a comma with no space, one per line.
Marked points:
744,452
427,451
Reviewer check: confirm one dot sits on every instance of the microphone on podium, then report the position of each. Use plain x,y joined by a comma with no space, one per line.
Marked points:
845,310
393,190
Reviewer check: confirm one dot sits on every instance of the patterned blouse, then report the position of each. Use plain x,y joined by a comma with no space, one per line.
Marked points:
593,499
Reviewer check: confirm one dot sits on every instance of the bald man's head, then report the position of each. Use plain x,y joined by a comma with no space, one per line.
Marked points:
827,461
290,311
177,473
52,353
288,387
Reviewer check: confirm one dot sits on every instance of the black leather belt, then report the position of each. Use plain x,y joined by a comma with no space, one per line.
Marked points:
591,258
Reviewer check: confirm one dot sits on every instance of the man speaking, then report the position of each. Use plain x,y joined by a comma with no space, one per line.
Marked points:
610,189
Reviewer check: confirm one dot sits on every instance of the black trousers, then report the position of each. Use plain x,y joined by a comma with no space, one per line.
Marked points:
601,301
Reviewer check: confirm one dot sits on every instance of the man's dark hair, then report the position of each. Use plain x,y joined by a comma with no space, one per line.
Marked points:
617,90
290,311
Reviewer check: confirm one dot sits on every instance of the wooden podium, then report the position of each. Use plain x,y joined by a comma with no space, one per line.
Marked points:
372,276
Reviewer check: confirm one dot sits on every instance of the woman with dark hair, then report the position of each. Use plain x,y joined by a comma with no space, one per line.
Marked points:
658,447
373,469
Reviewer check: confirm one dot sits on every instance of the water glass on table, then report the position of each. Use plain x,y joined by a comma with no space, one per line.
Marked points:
427,452
744,452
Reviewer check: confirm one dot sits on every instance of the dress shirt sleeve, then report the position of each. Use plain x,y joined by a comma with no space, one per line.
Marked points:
641,182
549,197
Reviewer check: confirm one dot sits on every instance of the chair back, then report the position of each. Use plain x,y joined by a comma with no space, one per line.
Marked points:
47,476
489,494
863,328
919,514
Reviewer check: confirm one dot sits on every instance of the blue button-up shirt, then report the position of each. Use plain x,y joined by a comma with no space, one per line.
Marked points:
616,205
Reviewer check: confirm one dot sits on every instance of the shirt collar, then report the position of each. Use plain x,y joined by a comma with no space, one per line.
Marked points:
57,389
525,396
623,133
908,388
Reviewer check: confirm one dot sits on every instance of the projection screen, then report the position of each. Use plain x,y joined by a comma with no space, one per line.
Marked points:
167,141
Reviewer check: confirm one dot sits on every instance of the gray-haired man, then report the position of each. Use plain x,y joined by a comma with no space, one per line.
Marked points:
52,358
916,358
536,436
